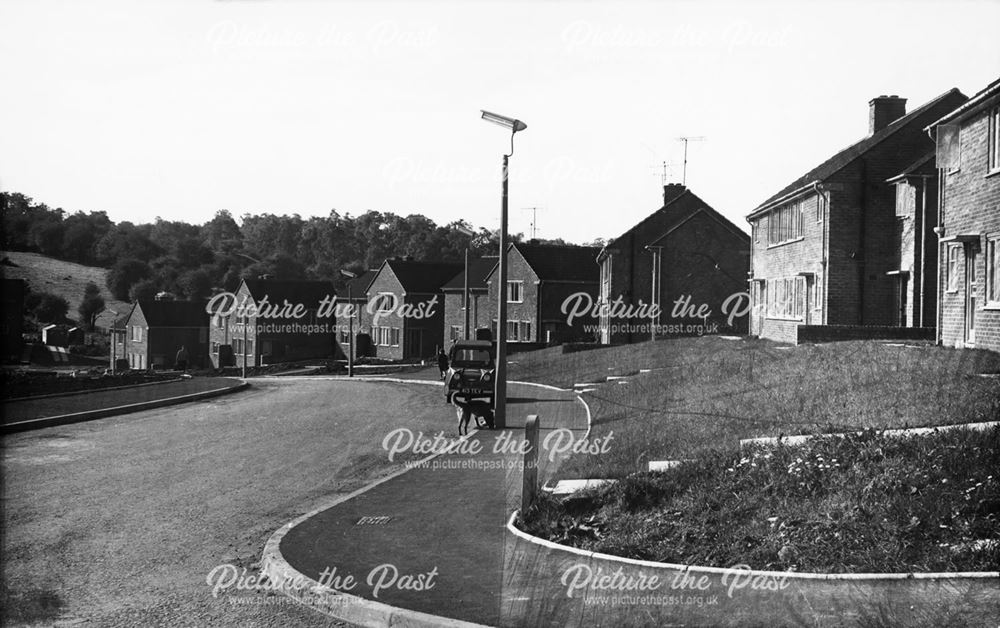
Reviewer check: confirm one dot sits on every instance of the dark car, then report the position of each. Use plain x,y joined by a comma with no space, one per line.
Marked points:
471,371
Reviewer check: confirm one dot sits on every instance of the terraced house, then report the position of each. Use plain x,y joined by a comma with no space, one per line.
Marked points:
846,250
969,227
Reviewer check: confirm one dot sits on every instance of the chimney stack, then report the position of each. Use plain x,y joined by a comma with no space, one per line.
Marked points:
672,191
883,111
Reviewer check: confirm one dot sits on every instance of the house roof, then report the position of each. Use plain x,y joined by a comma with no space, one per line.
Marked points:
971,106
173,313
359,285
558,262
307,292
844,157
681,204
422,277
479,269
924,165
121,321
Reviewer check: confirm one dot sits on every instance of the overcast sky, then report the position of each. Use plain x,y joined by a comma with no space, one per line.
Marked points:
180,108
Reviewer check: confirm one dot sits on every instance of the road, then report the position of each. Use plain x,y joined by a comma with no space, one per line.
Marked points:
118,522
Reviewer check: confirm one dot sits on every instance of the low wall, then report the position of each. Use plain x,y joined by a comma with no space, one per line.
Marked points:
590,589
832,333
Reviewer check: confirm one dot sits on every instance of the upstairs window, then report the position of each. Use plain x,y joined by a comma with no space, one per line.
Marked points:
993,271
785,224
994,140
385,302
515,291
136,333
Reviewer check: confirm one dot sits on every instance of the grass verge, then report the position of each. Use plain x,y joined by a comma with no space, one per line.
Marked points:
858,504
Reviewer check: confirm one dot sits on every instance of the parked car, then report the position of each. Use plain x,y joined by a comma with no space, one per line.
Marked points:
471,371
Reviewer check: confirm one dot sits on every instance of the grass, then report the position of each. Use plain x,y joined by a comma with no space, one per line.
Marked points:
66,279
863,503
708,393
855,504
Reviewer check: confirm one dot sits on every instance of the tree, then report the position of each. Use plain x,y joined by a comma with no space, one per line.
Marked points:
143,290
47,307
91,306
195,284
124,274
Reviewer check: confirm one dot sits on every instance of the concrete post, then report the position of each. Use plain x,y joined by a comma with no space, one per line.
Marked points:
529,481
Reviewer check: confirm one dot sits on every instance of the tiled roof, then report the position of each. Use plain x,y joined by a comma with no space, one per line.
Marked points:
423,277
918,118
174,313
553,262
479,269
307,292
972,105
359,285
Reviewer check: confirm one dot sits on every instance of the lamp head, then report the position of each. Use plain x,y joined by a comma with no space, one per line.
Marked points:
348,274
510,123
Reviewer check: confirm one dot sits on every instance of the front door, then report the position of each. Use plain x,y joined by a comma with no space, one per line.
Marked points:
414,344
971,290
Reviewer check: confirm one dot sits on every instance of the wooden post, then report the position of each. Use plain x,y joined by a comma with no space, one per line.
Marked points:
529,481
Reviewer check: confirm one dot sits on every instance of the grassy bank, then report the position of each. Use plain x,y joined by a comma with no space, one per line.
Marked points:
703,394
863,503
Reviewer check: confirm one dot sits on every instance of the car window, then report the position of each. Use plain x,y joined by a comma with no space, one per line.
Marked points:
471,356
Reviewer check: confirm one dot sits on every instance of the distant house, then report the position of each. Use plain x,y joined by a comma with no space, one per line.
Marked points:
156,330
969,232
354,292
405,311
540,279
118,335
674,273
841,252
454,296
289,320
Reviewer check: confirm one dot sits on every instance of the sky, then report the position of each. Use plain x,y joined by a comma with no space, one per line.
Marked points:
179,108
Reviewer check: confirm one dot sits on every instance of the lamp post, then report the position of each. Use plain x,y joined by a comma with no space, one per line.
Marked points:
465,290
500,392
350,322
114,341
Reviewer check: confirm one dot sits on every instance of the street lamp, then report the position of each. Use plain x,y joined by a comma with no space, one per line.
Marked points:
114,341
500,393
350,322
465,298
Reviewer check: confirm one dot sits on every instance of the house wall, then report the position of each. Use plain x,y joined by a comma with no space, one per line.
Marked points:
164,343
971,205
527,310
704,263
137,351
417,334
454,314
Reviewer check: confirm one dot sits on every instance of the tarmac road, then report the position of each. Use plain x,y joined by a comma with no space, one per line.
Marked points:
118,522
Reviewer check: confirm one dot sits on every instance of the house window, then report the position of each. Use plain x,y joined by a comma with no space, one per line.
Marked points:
515,291
456,333
519,331
788,298
237,346
951,269
994,140
215,348
249,347
756,232
785,224
385,302
136,333
993,271
394,336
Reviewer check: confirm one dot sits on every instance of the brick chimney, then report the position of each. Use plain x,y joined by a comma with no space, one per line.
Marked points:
883,111
672,191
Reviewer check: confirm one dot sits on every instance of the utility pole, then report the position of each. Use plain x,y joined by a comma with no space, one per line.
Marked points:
686,140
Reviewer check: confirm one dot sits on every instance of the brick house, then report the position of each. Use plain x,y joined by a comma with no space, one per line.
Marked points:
278,334
841,252
354,292
540,277
156,330
118,333
682,257
969,229
405,311
454,295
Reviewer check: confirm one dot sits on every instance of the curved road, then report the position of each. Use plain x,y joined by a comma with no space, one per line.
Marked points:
118,522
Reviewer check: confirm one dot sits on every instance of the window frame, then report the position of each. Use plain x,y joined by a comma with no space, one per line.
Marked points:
786,224
951,268
992,256
511,283
993,141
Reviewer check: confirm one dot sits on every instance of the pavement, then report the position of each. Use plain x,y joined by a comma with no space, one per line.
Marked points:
433,539
18,411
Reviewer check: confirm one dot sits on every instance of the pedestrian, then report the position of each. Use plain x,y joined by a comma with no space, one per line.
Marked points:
182,359
442,362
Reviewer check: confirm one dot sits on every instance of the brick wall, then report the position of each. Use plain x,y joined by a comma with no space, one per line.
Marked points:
385,282
527,310
454,314
971,206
